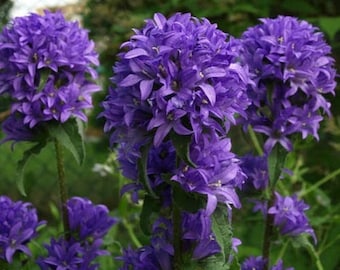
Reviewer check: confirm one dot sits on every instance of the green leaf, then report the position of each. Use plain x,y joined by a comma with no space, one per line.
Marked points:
182,146
223,234
150,212
189,202
276,162
71,136
34,150
142,170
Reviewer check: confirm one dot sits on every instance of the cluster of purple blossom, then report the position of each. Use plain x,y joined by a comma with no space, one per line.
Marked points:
258,263
18,226
293,71
178,86
89,223
46,65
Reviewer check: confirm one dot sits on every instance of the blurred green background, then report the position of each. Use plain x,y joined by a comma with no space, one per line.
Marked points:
110,23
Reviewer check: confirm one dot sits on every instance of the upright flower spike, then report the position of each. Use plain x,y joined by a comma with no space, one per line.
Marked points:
294,73
46,68
174,75
18,225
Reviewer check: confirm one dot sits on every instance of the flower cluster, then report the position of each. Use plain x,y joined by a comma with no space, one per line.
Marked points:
88,225
46,68
18,225
258,263
176,75
289,216
293,71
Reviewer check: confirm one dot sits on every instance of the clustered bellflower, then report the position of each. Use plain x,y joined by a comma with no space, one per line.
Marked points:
294,73
89,223
46,67
18,226
289,216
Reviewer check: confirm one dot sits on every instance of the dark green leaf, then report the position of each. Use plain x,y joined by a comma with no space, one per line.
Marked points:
182,145
150,212
34,150
190,202
142,170
71,136
276,162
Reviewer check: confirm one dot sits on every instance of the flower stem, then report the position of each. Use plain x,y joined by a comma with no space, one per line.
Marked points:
62,186
268,232
3,265
177,234
255,141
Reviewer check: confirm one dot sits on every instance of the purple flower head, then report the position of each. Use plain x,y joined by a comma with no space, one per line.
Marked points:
258,263
289,216
256,170
46,64
18,225
217,173
293,71
88,220
71,255
175,75
253,263
198,235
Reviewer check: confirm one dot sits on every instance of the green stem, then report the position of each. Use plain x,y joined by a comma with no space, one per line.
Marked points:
255,141
177,234
62,186
268,232
282,251
132,235
315,255
3,265
320,182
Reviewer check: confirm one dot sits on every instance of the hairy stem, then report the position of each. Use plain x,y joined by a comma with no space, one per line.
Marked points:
62,186
268,233
177,234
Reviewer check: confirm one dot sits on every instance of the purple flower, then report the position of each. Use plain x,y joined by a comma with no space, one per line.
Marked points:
258,263
18,225
198,235
176,75
46,63
289,216
71,255
253,263
256,170
88,225
293,71
88,221
216,175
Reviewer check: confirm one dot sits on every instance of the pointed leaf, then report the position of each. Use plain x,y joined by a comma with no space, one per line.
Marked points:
34,150
276,162
142,170
149,214
71,136
182,146
222,231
